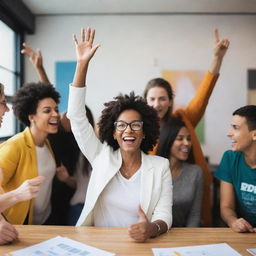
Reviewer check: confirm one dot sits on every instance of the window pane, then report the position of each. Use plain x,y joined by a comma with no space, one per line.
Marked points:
8,80
8,124
7,44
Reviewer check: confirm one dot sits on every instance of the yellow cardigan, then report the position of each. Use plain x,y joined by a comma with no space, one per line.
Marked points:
191,115
18,162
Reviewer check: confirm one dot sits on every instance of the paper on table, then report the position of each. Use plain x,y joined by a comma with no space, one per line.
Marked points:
198,250
60,246
252,251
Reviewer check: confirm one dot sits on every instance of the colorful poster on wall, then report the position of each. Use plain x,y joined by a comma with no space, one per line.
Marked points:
185,84
64,73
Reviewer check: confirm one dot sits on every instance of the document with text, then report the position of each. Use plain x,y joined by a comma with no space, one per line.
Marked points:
60,246
198,250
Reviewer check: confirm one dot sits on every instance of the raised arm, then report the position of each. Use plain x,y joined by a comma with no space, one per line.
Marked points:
36,59
227,209
84,52
81,128
219,51
198,104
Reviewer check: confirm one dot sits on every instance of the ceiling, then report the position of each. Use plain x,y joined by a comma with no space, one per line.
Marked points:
65,7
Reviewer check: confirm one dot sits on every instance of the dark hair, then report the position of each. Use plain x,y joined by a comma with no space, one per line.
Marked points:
116,107
89,116
26,99
168,135
66,150
1,90
249,112
162,83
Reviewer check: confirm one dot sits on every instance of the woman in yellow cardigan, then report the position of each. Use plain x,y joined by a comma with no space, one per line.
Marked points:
26,191
159,94
28,154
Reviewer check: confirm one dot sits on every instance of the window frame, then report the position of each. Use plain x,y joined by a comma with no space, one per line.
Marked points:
16,15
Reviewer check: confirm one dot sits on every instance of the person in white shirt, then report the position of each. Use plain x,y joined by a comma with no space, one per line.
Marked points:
127,188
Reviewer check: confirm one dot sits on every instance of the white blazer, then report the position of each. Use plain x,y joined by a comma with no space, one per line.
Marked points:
156,181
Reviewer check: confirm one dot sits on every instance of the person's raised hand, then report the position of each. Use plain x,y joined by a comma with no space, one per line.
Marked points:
85,49
221,46
34,56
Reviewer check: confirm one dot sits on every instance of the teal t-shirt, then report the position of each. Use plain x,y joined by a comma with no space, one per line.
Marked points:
233,169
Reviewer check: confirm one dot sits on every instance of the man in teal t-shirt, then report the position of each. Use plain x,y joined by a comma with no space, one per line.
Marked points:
237,172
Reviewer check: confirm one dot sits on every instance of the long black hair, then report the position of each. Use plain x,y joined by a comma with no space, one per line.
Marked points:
168,134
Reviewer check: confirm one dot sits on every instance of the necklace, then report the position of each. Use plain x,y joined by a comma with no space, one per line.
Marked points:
128,171
124,172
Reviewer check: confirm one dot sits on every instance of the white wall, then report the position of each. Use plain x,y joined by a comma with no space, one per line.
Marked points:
135,49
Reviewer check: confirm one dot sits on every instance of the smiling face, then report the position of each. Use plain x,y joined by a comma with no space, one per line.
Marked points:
3,108
157,97
241,138
46,119
129,140
181,146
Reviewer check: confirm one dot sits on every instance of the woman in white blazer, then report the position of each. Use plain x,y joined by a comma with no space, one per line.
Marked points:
128,188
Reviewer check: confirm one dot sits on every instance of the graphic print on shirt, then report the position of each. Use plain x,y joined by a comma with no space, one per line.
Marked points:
248,195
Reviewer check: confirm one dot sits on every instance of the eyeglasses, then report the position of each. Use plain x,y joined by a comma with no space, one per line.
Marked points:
134,125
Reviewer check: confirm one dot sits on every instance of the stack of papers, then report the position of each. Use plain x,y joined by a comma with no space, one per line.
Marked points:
199,250
60,246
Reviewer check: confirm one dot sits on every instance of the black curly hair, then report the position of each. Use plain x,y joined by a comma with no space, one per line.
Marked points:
26,99
116,107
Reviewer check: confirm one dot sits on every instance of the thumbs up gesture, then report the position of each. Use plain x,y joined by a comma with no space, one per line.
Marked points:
143,229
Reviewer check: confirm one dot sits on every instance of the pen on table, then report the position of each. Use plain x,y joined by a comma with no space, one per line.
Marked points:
177,253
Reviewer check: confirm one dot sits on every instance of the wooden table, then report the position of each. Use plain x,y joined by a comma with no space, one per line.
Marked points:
116,240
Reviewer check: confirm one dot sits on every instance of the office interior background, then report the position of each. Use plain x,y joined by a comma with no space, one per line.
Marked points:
139,39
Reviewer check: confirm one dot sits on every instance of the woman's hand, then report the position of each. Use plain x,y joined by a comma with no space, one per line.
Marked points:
63,175
35,57
84,52
143,229
8,233
219,51
85,49
221,46
29,188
